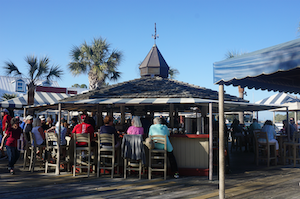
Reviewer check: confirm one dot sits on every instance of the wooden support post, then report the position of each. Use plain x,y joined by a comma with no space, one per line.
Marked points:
57,169
221,144
122,109
288,123
171,111
210,142
24,113
99,115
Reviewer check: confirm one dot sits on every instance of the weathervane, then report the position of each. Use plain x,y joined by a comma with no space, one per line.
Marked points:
155,35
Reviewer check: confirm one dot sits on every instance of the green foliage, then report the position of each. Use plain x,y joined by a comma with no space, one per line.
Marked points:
79,86
83,86
97,60
280,117
75,85
36,69
7,96
173,72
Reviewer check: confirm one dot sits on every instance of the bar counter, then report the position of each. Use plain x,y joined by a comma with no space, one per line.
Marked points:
192,153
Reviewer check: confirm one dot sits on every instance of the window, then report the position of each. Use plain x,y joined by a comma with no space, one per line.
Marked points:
20,86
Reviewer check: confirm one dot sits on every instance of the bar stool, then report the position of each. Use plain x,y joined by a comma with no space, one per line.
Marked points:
51,150
293,149
133,153
157,155
79,153
33,147
106,154
264,148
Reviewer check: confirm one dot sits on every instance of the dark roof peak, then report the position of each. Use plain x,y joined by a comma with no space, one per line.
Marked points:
154,64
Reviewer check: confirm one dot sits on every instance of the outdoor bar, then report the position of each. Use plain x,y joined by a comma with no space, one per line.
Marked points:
191,111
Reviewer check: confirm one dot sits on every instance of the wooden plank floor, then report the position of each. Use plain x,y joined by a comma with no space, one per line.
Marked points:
273,182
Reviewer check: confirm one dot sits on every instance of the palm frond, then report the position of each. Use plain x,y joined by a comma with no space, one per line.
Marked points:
11,69
77,68
7,96
56,72
115,75
75,53
32,65
43,67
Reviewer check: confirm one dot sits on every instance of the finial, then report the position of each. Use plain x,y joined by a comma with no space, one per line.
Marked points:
155,35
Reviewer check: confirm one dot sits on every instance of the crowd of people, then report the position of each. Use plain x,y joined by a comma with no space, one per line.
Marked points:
13,128
247,134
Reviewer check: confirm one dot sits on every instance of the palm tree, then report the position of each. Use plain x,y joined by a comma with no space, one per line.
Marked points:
7,96
36,70
173,72
97,60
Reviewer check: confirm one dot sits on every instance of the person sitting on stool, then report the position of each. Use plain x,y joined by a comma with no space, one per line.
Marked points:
160,129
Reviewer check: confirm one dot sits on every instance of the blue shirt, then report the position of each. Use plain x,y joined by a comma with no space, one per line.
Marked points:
270,131
161,129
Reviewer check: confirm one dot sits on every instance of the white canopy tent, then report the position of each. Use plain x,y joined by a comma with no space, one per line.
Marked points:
284,99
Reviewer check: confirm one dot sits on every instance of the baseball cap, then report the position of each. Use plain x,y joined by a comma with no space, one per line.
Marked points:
29,117
5,110
42,117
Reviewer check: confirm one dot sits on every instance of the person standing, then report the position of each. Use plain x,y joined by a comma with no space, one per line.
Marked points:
6,120
12,134
160,129
5,125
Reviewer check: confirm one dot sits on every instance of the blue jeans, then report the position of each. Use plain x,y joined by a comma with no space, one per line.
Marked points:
13,155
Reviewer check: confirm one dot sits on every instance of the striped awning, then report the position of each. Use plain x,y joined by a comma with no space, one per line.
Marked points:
278,99
40,98
136,101
228,105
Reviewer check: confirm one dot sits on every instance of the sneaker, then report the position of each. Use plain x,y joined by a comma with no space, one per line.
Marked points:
176,175
12,172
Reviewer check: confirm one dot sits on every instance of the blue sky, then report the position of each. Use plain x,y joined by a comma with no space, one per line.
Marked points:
192,34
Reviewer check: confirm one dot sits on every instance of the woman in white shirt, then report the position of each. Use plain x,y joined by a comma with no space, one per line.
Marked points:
270,130
38,132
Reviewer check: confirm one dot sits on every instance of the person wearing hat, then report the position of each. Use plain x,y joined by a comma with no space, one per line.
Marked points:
28,126
43,121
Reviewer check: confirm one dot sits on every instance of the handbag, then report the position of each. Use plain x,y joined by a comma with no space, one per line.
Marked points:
149,143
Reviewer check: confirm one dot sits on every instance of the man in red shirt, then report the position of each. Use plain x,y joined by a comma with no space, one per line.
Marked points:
84,127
